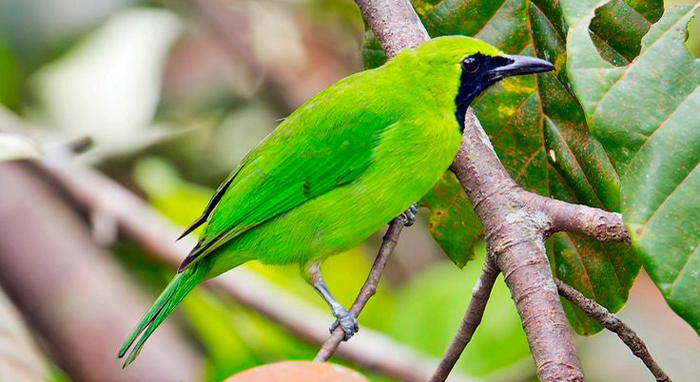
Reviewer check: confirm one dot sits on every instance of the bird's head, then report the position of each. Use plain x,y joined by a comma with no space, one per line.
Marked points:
460,68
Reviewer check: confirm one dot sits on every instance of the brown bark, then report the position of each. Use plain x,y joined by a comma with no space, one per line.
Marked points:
395,24
514,233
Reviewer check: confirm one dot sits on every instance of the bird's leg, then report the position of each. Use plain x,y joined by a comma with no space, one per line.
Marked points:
410,215
312,274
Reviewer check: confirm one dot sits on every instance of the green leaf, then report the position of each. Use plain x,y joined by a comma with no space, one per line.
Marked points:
453,222
11,76
540,133
618,28
646,116
579,172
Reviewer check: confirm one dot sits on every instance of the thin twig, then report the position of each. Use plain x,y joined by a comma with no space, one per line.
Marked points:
368,289
472,319
615,325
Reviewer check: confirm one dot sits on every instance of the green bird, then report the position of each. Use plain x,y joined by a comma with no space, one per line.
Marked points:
340,167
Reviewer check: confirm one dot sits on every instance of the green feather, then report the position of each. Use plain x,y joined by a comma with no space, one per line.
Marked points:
173,294
336,171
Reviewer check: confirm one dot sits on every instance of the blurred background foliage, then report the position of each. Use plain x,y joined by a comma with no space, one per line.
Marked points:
175,93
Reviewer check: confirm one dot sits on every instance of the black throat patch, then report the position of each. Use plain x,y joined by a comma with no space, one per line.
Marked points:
471,84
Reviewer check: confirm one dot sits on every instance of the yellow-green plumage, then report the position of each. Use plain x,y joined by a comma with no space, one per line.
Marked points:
334,172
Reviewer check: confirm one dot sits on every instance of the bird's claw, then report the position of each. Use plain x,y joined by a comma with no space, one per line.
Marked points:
410,215
347,322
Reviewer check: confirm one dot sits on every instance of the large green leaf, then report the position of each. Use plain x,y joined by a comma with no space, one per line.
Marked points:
646,116
580,170
618,28
539,131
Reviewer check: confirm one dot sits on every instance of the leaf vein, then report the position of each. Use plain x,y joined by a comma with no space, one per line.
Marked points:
685,266
666,199
497,134
491,17
579,258
632,64
576,161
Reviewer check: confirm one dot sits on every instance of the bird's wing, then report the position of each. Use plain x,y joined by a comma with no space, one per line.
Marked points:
311,153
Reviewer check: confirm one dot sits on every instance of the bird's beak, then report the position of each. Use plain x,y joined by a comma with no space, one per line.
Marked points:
521,65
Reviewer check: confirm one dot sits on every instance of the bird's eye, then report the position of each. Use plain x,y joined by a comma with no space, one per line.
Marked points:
470,64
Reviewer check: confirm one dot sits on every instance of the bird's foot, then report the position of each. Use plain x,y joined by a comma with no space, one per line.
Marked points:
347,322
410,215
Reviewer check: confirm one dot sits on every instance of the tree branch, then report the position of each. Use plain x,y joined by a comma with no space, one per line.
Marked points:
395,24
600,224
514,233
471,320
615,325
368,289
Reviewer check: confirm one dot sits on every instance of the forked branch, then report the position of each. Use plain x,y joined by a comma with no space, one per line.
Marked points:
516,223
513,235
514,231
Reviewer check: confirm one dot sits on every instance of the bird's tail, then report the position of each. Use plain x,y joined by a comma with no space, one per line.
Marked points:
173,294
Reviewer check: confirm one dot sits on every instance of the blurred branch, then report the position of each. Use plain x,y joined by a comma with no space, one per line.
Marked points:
74,294
615,325
368,289
471,320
